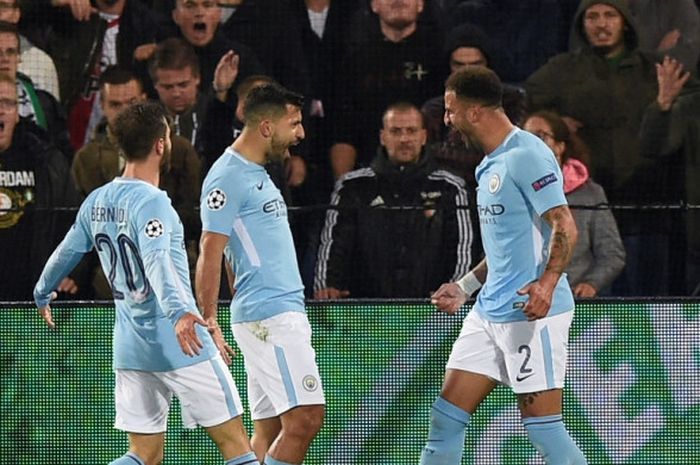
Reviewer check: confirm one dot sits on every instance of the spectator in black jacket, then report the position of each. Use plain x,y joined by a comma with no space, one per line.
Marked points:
35,104
198,23
371,248
34,179
83,42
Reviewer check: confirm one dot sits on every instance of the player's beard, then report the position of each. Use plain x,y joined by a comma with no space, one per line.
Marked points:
279,150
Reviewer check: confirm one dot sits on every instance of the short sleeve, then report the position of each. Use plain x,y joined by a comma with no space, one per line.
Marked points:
221,201
154,224
538,176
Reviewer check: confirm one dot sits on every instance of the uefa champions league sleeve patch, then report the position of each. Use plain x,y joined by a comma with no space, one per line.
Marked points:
216,199
154,228
544,181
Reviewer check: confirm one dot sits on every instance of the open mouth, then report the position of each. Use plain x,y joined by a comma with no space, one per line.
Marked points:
200,27
2,126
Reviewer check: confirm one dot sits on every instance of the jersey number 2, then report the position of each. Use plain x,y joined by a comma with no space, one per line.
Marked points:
119,255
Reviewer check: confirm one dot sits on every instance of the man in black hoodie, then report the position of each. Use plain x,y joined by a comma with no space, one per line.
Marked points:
602,91
400,226
34,180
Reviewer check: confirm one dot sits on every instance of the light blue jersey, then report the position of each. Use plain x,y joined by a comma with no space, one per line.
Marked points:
140,242
240,201
517,183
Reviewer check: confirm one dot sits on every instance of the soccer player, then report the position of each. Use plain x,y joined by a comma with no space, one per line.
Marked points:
161,345
517,332
245,218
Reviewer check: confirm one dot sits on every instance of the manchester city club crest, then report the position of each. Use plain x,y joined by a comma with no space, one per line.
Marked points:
310,383
494,183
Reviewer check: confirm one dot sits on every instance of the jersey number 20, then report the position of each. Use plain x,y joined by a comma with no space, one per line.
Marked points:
119,255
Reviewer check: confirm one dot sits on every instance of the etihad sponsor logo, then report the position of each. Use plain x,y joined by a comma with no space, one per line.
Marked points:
488,214
495,209
17,179
276,207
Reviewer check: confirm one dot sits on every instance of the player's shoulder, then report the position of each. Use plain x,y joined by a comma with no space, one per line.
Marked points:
230,169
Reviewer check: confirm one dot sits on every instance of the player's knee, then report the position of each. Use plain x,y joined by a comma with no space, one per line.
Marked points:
551,439
304,422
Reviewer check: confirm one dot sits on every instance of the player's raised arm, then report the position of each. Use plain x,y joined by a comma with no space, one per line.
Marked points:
561,248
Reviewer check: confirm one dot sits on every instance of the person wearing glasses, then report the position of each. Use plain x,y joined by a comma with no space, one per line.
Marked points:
34,179
598,255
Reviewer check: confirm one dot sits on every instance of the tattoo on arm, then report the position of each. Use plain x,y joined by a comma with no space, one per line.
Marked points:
563,238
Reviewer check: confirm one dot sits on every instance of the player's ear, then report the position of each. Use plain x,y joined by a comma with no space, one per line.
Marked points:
266,129
160,145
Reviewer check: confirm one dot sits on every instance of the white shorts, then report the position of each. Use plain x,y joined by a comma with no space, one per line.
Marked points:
280,364
528,356
206,391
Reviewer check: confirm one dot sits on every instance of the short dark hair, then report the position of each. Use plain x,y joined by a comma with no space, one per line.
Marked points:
269,100
10,28
173,53
252,81
138,127
477,83
574,145
403,106
116,75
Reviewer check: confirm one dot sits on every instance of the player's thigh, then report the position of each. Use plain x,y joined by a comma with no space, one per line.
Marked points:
280,363
535,352
476,352
207,393
141,401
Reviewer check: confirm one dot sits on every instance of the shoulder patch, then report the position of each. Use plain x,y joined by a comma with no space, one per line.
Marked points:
216,199
544,181
154,228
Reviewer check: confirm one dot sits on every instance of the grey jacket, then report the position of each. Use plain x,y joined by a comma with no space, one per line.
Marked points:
599,255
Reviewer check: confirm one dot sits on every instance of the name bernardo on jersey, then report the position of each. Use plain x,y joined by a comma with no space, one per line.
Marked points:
107,214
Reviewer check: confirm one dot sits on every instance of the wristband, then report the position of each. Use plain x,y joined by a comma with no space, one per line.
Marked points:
469,283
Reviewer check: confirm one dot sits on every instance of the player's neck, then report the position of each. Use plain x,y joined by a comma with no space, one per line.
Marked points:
143,171
250,147
495,132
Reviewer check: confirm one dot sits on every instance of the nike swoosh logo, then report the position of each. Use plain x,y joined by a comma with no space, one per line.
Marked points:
523,378
260,186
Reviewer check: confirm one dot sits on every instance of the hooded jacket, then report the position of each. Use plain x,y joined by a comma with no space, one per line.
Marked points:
609,98
598,255
49,212
373,248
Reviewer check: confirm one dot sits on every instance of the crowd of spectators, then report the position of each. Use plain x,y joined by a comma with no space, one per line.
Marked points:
609,85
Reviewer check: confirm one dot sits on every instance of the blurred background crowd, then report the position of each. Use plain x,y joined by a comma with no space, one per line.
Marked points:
381,194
